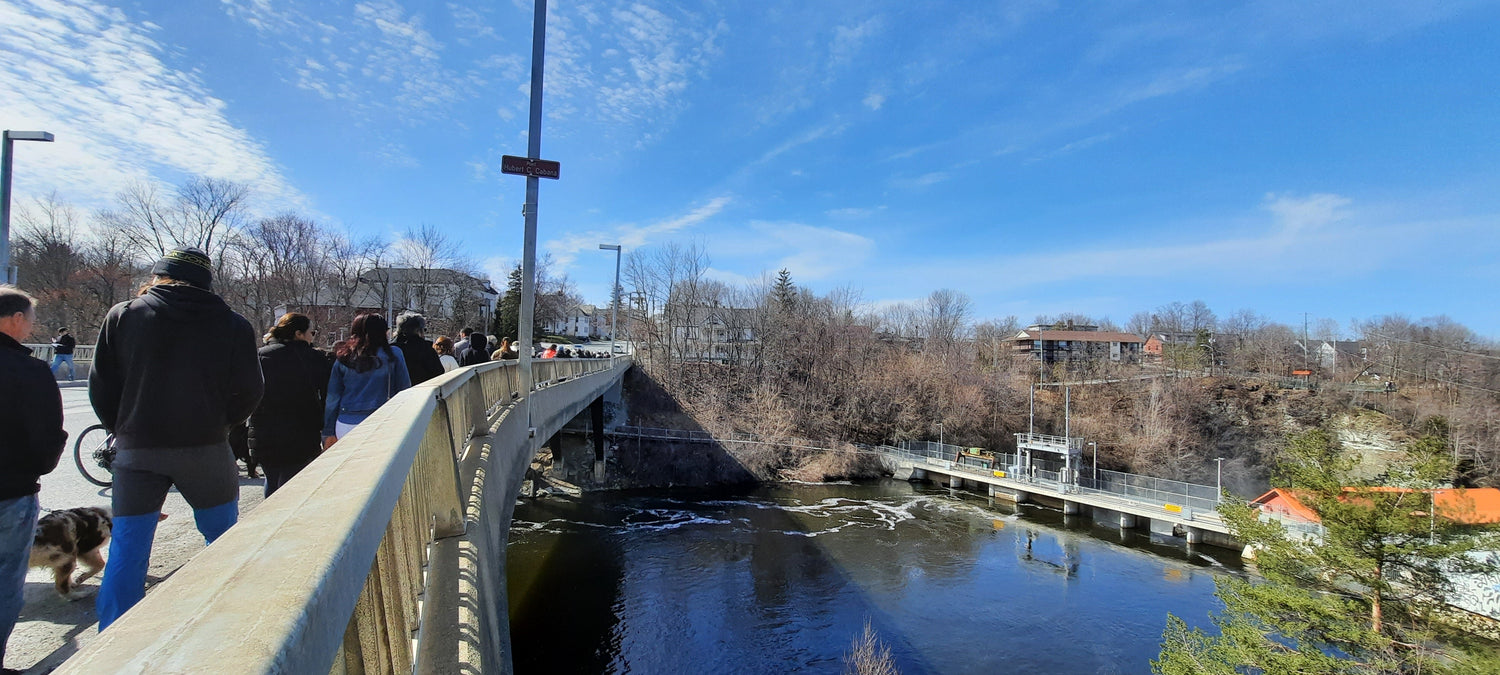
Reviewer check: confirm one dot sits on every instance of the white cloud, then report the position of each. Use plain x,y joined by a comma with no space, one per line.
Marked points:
813,253
86,73
633,76
853,213
922,181
1300,240
631,236
848,40
874,100
377,58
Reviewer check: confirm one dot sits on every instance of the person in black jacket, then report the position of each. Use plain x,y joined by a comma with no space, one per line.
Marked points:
473,352
62,352
422,362
285,431
31,441
174,369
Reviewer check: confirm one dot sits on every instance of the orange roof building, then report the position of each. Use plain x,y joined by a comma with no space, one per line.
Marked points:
1470,506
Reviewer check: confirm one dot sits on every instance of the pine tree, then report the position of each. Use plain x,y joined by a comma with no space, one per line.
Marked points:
507,321
1357,599
784,292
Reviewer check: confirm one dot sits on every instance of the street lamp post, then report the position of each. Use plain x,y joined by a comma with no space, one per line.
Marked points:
1220,482
940,434
1095,446
8,274
614,300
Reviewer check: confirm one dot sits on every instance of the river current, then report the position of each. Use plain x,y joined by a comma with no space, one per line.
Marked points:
781,579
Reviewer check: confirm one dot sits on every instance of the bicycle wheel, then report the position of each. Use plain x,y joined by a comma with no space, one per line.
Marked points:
94,452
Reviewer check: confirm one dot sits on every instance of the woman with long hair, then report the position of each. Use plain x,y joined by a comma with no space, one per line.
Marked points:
367,372
285,431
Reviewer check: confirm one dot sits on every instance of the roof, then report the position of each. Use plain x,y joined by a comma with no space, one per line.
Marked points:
1470,506
1078,336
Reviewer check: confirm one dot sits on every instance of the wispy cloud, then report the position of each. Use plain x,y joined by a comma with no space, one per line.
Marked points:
925,180
631,236
849,40
88,74
853,212
632,76
1301,240
815,253
378,58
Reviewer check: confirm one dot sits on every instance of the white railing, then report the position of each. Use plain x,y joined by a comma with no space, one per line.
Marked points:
334,572
44,351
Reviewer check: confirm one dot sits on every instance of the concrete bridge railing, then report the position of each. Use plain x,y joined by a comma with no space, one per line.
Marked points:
373,558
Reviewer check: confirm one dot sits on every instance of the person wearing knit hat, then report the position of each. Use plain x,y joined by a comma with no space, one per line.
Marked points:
186,264
174,370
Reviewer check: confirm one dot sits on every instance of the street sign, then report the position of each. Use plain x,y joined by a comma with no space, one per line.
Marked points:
525,166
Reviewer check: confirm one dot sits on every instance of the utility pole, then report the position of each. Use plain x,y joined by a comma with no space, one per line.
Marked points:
1220,482
533,187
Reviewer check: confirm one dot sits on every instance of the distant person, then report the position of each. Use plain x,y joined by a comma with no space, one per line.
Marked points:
511,353
474,352
286,430
564,353
31,441
367,372
463,339
62,351
422,362
444,348
174,370
550,352
500,352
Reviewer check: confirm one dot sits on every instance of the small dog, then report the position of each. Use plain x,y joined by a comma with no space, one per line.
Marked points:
65,537
68,536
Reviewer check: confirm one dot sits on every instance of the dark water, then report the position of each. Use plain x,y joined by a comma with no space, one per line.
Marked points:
782,579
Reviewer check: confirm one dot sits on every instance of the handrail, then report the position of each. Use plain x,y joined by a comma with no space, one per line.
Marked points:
333,568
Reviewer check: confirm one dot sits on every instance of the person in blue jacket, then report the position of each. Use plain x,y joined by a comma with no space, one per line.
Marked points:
367,372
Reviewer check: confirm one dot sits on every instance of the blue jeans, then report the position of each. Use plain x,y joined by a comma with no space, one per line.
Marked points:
58,360
17,527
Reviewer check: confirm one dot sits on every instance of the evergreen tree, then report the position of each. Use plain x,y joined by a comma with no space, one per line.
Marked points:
784,292
1361,597
507,321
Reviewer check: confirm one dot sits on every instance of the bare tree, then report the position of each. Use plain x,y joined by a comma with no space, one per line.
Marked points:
203,213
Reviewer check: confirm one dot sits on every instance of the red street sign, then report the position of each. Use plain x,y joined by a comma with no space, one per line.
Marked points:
525,166
1302,373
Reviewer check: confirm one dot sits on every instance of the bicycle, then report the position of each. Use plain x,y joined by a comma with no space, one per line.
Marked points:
94,453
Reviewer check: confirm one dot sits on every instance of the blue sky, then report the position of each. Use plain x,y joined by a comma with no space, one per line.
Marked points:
1335,158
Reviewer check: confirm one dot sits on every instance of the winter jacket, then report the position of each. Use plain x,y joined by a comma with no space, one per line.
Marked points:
473,352
174,368
63,344
422,362
287,427
31,430
449,363
353,395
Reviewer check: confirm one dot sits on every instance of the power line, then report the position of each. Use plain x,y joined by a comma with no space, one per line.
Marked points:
1446,349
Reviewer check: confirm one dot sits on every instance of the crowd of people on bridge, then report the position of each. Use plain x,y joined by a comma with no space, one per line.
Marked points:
175,373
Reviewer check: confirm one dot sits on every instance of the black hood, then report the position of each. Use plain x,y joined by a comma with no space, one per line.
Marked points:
175,302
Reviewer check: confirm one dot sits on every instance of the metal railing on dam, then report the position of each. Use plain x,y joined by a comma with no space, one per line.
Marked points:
385,555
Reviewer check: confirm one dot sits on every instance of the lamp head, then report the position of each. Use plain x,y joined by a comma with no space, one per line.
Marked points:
609,247
42,136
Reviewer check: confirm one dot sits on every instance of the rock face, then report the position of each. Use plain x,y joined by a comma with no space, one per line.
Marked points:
1377,438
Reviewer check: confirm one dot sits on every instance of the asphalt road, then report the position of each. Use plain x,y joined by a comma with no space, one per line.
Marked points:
51,628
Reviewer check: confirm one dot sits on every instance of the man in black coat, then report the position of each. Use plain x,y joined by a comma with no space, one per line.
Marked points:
422,361
286,430
31,441
474,352
62,351
174,370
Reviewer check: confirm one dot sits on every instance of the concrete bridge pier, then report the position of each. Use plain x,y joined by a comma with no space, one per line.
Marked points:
1070,508
955,482
1193,535
1127,521
1020,496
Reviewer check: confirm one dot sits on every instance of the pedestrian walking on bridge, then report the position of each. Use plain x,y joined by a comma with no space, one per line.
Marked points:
62,352
31,441
174,370
285,430
367,372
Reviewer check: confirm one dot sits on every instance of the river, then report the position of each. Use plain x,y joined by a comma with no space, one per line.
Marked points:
782,578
